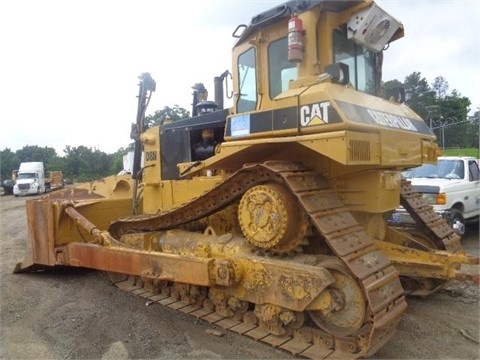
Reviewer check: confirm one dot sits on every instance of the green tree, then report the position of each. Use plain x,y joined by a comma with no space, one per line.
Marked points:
418,94
117,160
56,164
79,163
172,113
446,112
84,164
75,164
8,163
392,84
440,86
472,135
29,153
117,163
452,125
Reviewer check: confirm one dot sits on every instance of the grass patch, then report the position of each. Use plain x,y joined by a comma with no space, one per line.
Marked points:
475,152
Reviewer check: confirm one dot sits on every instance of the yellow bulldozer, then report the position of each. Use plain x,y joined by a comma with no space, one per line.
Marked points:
269,218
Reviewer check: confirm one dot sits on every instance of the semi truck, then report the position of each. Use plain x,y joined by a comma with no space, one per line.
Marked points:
30,179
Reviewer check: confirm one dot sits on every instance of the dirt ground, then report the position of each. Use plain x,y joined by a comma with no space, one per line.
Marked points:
79,314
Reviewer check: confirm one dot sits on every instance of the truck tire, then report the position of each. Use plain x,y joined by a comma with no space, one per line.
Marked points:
457,222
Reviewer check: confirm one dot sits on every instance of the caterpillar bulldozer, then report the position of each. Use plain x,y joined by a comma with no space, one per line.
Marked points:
269,218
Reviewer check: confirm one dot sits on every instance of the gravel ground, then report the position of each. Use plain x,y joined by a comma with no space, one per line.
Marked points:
79,314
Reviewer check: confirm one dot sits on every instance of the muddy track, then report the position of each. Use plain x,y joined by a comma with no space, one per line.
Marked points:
435,227
78,314
379,280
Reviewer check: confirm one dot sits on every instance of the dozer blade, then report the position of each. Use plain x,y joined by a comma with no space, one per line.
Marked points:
27,265
50,227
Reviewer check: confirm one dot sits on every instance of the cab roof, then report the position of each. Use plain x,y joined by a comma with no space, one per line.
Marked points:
286,10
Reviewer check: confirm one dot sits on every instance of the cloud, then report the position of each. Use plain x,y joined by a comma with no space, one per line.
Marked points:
69,69
440,40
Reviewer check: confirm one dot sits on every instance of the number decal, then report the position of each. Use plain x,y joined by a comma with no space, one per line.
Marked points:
151,156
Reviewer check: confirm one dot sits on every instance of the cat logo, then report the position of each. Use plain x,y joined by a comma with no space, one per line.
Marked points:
314,114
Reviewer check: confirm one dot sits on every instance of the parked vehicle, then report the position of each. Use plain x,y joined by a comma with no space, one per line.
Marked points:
30,179
7,186
54,181
452,187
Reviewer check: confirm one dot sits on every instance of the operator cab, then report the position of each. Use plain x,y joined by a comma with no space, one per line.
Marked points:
283,52
292,45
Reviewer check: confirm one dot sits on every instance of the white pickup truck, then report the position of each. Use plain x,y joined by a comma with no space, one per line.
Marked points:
452,187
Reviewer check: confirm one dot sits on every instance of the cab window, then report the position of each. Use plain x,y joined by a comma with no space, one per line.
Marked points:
280,70
247,77
360,61
474,172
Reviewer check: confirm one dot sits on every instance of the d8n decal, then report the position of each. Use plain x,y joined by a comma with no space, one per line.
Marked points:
151,156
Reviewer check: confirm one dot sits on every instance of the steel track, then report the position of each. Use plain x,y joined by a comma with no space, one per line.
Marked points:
348,241
432,224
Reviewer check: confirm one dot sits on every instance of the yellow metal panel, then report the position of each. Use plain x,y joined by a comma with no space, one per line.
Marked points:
346,147
152,163
310,64
172,193
157,198
400,148
373,191
185,190
101,212
333,146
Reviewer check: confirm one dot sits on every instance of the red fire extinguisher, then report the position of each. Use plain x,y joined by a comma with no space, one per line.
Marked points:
295,39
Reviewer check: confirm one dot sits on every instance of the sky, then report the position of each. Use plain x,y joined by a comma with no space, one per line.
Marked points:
69,69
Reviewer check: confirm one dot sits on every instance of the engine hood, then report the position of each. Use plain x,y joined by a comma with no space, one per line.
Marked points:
435,186
438,182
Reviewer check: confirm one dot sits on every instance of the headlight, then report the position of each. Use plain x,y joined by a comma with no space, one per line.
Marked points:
435,199
431,199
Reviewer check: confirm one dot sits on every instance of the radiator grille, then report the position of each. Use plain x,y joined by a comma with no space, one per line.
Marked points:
359,150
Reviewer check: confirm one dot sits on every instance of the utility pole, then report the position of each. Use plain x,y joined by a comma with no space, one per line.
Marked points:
431,109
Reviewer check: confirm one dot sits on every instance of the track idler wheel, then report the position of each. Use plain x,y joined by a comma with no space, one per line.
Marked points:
347,310
271,219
